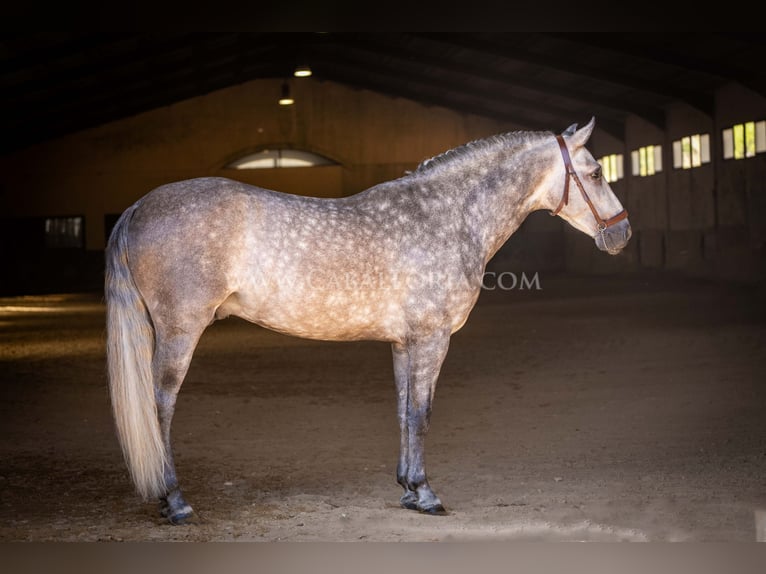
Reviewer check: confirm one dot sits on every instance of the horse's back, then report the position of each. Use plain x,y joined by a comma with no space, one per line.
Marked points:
198,196
231,248
340,269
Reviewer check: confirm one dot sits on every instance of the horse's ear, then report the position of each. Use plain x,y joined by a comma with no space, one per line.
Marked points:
570,130
581,136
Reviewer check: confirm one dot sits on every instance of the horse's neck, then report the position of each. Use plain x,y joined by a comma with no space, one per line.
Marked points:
498,206
491,197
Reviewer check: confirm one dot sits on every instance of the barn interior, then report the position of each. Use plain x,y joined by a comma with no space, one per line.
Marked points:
631,386
92,122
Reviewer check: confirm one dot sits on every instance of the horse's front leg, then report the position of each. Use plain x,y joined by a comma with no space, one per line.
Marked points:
416,369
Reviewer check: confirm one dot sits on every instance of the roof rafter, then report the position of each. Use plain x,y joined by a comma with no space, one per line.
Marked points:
460,84
53,83
659,52
562,62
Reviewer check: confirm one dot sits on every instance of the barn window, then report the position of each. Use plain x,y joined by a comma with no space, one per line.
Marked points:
744,140
64,232
280,158
612,167
646,160
691,151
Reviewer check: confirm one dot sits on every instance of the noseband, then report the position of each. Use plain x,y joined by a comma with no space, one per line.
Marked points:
602,223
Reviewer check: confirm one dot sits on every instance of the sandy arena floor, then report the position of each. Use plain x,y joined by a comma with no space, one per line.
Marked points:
603,409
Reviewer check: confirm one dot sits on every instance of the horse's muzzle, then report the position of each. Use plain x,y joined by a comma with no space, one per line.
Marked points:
614,238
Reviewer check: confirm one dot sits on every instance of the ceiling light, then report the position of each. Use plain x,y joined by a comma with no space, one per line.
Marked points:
286,99
302,72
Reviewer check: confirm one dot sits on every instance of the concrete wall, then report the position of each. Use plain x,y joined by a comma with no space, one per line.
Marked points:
737,248
99,172
690,192
708,221
103,170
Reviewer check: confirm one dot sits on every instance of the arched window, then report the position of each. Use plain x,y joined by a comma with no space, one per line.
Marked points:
279,158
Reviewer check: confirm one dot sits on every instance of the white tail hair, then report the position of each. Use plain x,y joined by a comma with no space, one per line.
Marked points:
129,352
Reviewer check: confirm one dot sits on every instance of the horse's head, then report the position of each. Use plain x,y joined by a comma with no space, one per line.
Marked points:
581,196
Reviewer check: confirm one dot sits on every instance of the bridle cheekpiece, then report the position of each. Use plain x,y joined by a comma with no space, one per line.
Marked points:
602,223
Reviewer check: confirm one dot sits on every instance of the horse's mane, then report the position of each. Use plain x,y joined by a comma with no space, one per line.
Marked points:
516,139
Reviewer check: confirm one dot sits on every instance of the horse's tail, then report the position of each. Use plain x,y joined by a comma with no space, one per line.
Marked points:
129,351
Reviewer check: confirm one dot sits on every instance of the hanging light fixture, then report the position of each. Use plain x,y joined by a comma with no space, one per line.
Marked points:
286,99
302,72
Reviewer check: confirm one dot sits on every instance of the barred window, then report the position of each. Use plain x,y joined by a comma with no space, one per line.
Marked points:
646,160
691,151
64,232
744,140
612,167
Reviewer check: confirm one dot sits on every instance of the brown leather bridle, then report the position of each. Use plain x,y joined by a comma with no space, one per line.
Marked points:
602,223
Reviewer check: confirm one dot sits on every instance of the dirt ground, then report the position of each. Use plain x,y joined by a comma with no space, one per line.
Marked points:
600,409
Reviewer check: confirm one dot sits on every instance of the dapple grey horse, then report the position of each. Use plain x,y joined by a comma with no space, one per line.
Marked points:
401,262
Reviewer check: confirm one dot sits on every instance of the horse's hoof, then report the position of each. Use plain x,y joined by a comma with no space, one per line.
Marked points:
183,515
436,510
409,501
183,519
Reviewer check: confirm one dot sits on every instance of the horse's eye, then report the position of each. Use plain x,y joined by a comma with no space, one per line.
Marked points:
596,174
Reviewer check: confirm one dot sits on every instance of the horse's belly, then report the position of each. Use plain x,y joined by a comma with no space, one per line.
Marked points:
329,319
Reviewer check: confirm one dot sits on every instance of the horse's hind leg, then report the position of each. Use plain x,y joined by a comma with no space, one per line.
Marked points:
171,361
416,369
